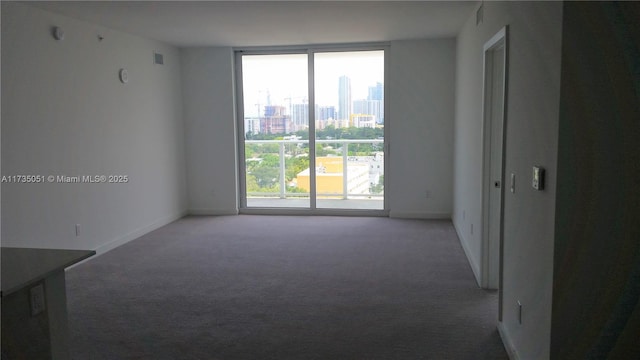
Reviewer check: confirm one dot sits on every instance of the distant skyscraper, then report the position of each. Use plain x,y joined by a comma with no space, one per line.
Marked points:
275,121
344,97
376,92
274,110
370,107
325,112
300,114
252,125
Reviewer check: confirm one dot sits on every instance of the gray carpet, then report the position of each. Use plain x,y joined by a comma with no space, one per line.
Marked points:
281,287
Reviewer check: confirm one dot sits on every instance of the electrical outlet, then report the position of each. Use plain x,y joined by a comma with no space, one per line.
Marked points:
77,229
36,295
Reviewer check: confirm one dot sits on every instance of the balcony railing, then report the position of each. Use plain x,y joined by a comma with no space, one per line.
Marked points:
344,153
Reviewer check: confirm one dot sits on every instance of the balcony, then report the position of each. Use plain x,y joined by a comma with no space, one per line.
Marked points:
277,174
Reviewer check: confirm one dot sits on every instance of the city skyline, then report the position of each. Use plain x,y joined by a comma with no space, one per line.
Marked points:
282,79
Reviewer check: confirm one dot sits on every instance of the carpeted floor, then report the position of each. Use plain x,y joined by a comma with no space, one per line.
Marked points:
282,287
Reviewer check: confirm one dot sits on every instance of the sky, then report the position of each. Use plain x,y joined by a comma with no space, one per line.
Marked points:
285,76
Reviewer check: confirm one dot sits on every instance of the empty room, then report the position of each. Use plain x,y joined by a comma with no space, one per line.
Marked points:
320,180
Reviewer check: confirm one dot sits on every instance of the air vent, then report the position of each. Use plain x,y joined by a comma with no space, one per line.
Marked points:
479,15
158,58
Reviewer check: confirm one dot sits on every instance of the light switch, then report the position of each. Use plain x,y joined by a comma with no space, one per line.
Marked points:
538,178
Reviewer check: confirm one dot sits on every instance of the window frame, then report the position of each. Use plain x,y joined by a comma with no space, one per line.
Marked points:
310,51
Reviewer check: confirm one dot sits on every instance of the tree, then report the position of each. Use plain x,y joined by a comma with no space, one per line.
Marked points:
379,187
304,134
295,165
249,151
321,150
266,176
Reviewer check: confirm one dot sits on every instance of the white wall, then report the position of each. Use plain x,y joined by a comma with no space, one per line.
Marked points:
421,76
421,111
208,92
65,112
532,133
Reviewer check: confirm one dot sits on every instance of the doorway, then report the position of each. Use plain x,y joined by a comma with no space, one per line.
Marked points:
494,116
312,130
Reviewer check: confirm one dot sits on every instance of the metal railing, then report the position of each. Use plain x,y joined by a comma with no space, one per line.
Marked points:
283,194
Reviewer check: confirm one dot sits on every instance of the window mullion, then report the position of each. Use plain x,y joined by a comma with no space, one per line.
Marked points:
312,129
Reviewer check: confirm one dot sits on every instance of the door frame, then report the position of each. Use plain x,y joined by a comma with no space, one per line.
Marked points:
239,102
310,50
500,39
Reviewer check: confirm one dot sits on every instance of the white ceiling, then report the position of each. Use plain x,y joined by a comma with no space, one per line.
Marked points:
263,23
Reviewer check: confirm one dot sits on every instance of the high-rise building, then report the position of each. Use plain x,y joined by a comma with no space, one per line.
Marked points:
369,107
376,92
300,114
280,124
274,110
344,97
325,112
252,125
275,121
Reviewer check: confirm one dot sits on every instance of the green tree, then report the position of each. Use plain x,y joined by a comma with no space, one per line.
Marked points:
266,176
304,134
323,150
379,187
295,165
249,151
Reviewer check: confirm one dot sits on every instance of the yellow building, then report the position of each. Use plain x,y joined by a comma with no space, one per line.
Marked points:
330,177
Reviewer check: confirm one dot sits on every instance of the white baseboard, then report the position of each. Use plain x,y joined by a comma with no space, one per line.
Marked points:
213,212
139,232
506,341
474,267
110,245
419,215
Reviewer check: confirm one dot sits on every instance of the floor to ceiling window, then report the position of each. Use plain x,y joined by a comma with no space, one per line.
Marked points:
312,129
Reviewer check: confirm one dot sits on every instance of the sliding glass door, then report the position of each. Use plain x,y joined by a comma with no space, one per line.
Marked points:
275,90
312,129
349,129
